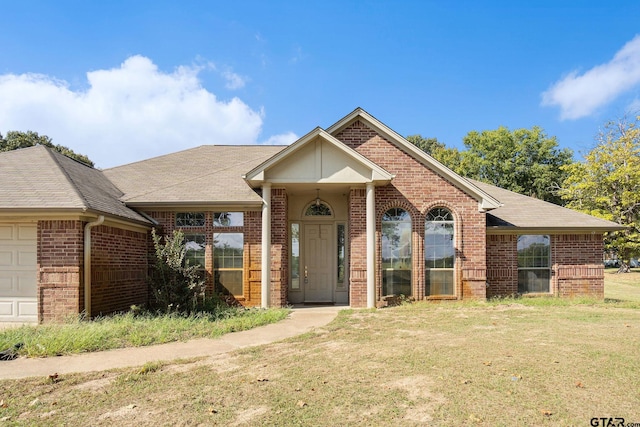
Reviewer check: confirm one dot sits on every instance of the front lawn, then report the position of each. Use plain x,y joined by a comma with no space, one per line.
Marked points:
501,363
132,330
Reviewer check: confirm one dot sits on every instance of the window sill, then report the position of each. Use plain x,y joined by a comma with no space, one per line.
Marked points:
441,297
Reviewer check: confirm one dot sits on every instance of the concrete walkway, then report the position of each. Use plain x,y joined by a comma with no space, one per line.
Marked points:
301,320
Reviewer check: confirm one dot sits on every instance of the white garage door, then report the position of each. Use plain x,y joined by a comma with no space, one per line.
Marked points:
18,268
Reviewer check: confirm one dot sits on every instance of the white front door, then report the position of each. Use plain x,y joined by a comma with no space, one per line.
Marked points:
317,268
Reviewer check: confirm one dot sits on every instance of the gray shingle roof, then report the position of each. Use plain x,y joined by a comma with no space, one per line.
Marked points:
41,178
528,213
202,175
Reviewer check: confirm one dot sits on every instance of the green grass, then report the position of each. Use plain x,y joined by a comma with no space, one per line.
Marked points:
622,287
132,330
495,364
528,361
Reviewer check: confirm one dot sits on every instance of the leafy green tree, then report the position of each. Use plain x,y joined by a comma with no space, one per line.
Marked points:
16,139
176,286
450,157
607,185
525,161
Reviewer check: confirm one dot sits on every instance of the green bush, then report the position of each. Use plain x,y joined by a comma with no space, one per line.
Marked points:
176,286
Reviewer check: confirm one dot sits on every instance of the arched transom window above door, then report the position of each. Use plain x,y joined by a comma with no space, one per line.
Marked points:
318,208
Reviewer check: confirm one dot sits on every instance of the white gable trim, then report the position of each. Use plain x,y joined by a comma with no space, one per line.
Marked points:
377,175
485,201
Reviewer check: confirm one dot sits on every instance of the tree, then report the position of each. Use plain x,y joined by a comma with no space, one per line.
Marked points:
525,161
607,185
16,139
450,157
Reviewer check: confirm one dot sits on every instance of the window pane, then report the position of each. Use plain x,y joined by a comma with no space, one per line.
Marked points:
231,281
341,254
195,246
534,263
228,251
396,252
533,280
396,282
228,219
295,256
439,282
190,219
439,252
319,209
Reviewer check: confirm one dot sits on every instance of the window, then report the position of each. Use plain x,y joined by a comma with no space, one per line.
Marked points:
439,252
318,208
295,256
341,239
195,246
534,263
228,252
228,219
396,252
190,219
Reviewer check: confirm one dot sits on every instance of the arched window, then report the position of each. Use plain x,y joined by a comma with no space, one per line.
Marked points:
318,208
396,252
439,252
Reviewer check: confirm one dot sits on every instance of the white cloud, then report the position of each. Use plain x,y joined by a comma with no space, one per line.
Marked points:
580,95
282,139
234,81
128,113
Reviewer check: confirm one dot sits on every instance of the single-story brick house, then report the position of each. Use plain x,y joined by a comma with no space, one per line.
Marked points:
351,214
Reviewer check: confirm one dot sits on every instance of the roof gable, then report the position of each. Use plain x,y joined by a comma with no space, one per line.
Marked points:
318,157
485,200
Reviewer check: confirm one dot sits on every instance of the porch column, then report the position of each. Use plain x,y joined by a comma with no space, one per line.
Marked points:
265,278
371,246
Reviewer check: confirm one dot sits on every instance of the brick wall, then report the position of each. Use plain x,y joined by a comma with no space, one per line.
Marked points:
118,269
279,248
576,262
357,248
502,265
60,264
417,189
253,256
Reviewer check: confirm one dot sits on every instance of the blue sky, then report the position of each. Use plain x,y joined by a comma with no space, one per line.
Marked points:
123,81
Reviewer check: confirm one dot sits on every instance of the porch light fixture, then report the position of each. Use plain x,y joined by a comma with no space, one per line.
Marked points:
317,197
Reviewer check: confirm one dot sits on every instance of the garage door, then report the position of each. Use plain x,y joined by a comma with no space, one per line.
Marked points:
18,268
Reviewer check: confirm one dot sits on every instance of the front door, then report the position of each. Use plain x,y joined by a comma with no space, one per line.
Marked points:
317,268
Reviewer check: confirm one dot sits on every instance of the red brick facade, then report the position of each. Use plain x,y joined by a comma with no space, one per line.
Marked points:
357,248
417,190
119,265
60,261
119,269
576,265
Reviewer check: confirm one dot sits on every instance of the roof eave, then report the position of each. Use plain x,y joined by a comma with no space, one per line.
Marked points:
510,229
